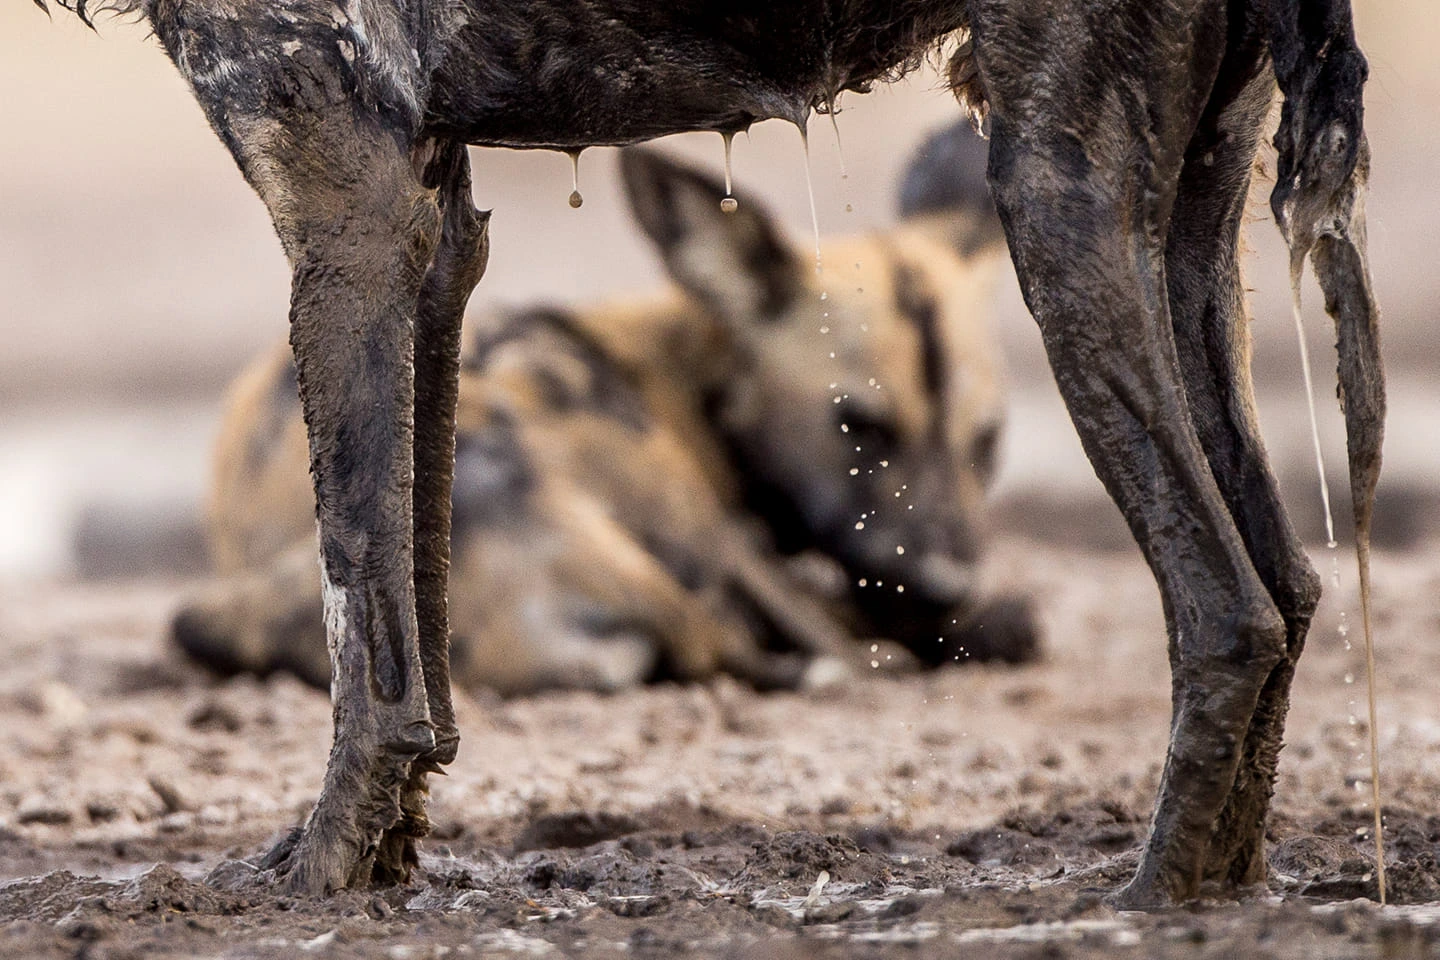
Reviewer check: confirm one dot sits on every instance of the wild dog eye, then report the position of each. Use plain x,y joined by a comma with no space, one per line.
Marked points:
871,432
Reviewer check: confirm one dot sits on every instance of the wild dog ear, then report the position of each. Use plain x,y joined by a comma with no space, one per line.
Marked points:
944,188
736,263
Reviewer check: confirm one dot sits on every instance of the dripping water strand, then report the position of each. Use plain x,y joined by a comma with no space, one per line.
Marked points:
729,204
576,200
1310,403
810,190
839,146
1362,560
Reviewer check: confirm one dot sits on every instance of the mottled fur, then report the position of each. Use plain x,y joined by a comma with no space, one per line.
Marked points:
600,525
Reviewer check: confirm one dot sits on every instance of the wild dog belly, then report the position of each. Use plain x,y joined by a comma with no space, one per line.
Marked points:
549,73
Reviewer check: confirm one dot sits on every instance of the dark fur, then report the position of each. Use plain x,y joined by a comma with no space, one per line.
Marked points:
1123,135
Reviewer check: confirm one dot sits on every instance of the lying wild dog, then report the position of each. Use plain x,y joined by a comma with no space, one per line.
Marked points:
1123,133
622,473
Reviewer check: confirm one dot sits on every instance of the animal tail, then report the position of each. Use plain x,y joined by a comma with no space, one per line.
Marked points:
1319,203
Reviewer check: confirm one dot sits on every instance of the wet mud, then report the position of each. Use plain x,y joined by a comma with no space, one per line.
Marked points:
964,812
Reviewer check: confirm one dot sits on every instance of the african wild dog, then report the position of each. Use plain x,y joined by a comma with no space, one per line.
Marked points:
1122,138
606,460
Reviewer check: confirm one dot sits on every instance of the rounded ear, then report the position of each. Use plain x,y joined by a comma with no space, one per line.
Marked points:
736,263
945,188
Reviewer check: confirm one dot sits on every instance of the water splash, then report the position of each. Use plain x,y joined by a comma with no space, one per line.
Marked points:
576,200
729,204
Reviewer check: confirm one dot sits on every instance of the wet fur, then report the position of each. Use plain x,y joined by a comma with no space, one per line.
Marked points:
1123,135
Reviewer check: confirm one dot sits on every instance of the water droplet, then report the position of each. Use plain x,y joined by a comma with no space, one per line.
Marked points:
900,551
860,525
874,648
844,428
576,201
863,582
900,588
875,664
824,295
1349,678
729,204
824,329
854,471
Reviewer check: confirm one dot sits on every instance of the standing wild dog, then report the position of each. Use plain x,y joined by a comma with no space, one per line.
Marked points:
622,473
1123,133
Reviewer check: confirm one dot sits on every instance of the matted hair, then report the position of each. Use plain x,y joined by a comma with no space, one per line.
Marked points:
86,9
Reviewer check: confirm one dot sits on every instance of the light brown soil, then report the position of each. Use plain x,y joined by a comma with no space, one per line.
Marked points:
979,808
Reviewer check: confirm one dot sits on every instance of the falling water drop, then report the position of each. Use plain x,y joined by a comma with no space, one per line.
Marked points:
576,201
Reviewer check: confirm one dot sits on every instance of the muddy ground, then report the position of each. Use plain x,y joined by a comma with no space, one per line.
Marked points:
968,812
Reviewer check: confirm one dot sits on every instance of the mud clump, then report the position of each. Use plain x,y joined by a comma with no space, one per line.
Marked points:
1053,842
801,855
575,829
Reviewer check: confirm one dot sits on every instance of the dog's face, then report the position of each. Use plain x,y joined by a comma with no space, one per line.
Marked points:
862,400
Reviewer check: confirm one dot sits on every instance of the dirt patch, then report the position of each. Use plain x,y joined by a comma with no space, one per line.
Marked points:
968,811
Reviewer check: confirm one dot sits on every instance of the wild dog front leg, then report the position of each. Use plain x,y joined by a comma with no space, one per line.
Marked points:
357,282
360,232
458,264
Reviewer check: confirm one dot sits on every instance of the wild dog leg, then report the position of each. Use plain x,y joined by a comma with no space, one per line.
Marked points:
360,232
1086,203
1211,330
457,267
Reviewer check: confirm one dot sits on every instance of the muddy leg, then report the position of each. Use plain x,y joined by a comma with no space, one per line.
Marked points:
1085,181
360,231
1212,336
457,267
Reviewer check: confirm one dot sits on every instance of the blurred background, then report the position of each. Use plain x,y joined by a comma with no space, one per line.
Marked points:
138,274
